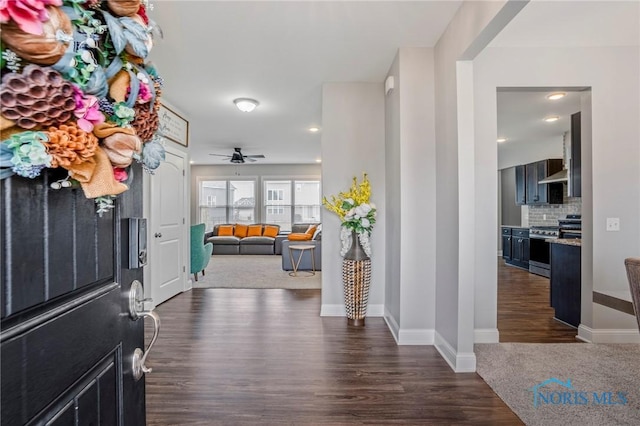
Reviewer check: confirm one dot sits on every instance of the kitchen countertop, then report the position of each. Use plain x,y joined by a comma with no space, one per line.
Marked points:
566,241
514,226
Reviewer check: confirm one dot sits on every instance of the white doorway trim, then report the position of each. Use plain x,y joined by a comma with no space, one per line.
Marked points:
152,217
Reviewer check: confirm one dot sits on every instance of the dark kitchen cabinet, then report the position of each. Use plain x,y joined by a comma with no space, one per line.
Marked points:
566,281
521,184
575,165
543,193
520,247
515,246
506,244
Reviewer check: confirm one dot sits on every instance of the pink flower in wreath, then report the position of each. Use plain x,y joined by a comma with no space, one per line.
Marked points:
87,110
27,14
144,94
120,174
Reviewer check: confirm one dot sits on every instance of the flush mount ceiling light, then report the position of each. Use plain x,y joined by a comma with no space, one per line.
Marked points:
500,140
314,129
246,104
556,96
552,118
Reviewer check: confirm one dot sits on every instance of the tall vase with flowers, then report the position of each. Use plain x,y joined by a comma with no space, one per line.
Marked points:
357,216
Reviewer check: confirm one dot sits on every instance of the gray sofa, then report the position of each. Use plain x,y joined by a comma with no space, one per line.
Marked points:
236,245
305,262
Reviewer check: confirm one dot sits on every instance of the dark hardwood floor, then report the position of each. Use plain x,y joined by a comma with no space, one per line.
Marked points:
232,357
524,314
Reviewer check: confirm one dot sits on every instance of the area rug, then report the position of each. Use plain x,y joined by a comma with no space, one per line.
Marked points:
253,271
565,384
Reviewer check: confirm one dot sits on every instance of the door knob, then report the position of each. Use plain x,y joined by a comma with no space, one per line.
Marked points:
137,311
157,234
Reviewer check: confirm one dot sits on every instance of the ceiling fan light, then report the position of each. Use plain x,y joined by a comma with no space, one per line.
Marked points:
246,104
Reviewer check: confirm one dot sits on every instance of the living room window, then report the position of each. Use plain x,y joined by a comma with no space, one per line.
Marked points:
291,201
227,201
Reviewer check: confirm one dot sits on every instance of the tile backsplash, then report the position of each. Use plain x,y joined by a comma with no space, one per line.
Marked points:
553,212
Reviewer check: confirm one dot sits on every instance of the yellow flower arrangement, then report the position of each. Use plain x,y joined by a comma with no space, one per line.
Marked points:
353,207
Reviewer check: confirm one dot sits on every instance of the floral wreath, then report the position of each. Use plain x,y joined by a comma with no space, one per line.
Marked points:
77,94
356,213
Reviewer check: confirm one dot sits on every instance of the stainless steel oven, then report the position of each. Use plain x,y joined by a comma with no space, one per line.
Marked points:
540,250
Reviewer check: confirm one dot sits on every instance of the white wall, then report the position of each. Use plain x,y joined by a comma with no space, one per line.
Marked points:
611,187
353,134
411,187
470,30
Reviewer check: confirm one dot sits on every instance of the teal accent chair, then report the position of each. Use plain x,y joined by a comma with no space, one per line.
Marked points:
200,252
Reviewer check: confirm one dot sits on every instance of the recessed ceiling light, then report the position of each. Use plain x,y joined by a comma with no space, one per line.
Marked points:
318,160
552,118
556,96
246,104
314,129
191,162
500,140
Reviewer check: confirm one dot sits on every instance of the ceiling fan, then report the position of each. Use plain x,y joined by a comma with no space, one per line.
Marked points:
238,158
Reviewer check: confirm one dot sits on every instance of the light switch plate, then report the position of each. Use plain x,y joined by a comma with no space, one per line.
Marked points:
613,224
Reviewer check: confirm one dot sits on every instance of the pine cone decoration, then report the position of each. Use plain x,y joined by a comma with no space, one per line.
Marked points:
69,145
146,120
37,97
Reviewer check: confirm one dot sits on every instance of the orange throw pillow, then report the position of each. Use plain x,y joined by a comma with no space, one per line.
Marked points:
311,229
299,237
270,231
254,231
225,230
241,230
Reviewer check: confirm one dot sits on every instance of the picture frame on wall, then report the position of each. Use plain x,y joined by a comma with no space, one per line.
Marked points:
173,126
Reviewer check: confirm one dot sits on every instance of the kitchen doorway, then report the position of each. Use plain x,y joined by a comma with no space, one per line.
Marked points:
539,168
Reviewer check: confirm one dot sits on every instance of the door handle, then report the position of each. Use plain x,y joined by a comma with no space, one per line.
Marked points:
157,235
137,311
140,357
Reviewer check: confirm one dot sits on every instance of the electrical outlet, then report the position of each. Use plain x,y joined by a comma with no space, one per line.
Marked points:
613,224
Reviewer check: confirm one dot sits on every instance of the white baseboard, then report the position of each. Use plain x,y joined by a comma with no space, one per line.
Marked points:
416,336
499,253
329,310
375,310
604,335
332,311
486,335
394,328
585,333
408,337
459,362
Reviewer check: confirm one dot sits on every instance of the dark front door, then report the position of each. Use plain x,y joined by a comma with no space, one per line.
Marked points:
67,340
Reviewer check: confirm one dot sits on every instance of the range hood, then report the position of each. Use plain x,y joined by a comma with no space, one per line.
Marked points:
561,176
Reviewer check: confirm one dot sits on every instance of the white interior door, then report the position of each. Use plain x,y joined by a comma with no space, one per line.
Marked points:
167,231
